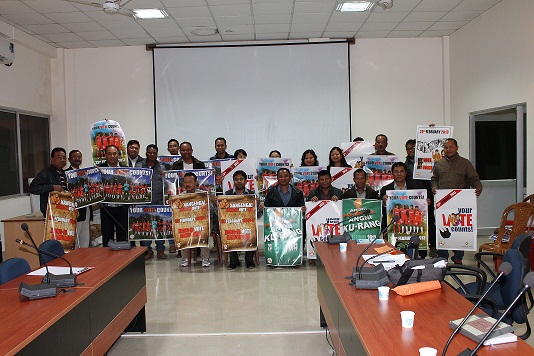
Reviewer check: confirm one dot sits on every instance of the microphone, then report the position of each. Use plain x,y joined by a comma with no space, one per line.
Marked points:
40,290
504,269
60,281
413,247
529,283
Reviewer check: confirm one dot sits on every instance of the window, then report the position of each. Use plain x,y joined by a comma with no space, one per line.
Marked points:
29,135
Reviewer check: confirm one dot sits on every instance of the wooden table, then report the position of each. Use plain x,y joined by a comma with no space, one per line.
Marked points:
13,231
85,322
361,324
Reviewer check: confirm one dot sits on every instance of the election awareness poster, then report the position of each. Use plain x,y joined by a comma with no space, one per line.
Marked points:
412,208
362,218
306,179
237,223
126,185
85,185
429,149
191,220
321,218
229,167
60,221
267,169
456,219
216,166
342,177
378,170
107,133
168,160
355,150
283,236
173,181
149,222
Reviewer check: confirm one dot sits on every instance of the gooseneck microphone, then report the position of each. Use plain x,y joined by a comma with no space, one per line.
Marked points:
394,220
504,269
413,247
25,228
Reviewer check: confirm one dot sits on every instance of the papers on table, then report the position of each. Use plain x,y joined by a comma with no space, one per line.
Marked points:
387,260
59,270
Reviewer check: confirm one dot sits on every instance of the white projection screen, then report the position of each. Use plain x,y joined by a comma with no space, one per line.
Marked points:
288,97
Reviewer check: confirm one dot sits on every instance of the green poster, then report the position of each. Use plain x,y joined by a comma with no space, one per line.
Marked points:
361,218
283,236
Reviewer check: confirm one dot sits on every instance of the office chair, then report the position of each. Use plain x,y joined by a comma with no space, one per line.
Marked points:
13,268
52,246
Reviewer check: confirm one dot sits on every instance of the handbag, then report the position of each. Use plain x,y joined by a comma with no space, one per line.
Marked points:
405,274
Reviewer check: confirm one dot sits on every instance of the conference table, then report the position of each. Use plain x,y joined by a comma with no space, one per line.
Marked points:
360,324
86,321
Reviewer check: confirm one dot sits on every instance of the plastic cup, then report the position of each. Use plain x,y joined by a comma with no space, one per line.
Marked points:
428,351
343,246
407,318
383,293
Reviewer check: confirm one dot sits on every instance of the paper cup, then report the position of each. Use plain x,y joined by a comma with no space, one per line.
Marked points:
383,293
428,351
407,318
342,246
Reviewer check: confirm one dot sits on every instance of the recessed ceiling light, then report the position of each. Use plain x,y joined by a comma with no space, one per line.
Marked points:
146,14
360,6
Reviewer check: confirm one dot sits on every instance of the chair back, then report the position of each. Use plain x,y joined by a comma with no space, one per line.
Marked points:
52,246
13,268
529,199
523,219
512,284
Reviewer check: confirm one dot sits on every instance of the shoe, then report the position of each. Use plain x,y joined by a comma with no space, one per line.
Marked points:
206,263
250,265
149,255
179,254
185,262
172,249
231,266
161,255
457,262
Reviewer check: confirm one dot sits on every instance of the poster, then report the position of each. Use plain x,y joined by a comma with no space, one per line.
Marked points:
354,150
456,219
412,207
230,166
321,217
237,223
106,133
168,160
267,168
342,177
173,182
85,185
191,220
149,222
306,179
60,221
124,185
283,236
378,170
429,149
216,166
362,218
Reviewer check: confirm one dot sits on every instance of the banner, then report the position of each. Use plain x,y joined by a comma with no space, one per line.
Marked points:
124,185
191,220
107,133
321,217
429,149
283,236
342,177
412,207
267,168
456,219
362,218
60,221
230,166
237,223
168,160
306,179
378,170
173,182
85,185
150,222
352,150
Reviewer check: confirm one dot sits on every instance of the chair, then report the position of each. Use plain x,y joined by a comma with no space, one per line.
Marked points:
52,246
523,218
13,268
462,275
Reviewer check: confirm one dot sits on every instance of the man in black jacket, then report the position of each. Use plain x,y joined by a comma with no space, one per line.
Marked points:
188,161
284,194
220,149
360,189
325,190
52,178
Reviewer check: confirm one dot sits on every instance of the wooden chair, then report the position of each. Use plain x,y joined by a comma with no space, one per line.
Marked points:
523,214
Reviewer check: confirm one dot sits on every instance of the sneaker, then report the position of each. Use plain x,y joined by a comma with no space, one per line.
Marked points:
250,265
206,263
231,266
185,262
457,262
172,249
161,255
149,255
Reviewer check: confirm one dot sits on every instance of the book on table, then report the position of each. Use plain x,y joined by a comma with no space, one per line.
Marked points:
478,325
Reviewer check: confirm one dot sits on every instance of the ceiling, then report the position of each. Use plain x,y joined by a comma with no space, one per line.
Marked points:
61,23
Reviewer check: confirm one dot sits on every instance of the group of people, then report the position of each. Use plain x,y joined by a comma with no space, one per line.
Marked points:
453,171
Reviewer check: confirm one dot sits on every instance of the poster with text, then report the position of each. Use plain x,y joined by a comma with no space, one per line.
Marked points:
412,208
283,236
342,177
429,149
378,170
173,182
362,218
150,222
306,179
60,220
217,171
321,218
229,167
85,185
237,223
124,185
191,220
168,160
456,219
267,168
355,150
107,133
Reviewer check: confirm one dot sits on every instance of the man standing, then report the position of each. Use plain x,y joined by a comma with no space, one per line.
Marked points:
188,161
454,172
240,179
284,194
360,189
220,149
151,161
381,143
325,190
82,223
173,146
133,152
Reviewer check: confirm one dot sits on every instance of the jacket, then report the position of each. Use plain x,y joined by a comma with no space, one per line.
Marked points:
43,184
273,198
179,165
370,193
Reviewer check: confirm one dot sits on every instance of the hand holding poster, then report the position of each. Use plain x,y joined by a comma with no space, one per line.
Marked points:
321,218
126,185
362,218
306,179
107,133
60,221
283,236
412,208
191,220
149,222
456,219
229,167
237,222
85,185
429,149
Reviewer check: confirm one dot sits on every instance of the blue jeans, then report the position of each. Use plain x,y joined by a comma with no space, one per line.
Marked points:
160,245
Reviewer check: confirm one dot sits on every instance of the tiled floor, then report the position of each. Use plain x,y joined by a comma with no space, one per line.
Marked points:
196,311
